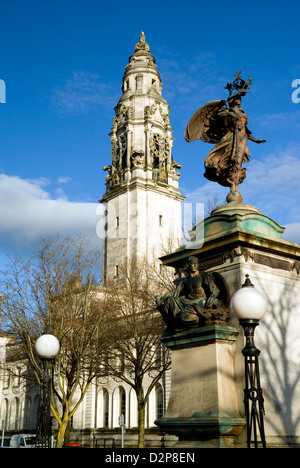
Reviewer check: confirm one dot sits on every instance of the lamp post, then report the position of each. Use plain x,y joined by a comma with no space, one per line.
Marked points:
249,305
47,347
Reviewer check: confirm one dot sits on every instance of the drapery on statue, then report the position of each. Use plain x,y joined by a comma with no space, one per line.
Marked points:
194,302
224,124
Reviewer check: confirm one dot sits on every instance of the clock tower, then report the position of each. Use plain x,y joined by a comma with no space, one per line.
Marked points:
142,202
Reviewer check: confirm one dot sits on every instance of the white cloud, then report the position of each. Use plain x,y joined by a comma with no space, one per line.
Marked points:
280,119
63,179
292,232
28,212
272,185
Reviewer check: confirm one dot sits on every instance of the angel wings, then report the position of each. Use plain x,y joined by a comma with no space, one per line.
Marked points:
224,124
203,124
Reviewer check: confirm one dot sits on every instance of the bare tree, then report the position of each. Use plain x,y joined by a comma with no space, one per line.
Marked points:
136,329
211,205
58,289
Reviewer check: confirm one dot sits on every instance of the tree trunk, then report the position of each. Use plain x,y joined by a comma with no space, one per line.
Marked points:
141,423
67,435
63,429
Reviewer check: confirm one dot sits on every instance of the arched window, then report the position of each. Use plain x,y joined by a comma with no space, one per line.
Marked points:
159,394
5,413
122,402
14,415
27,413
6,378
105,408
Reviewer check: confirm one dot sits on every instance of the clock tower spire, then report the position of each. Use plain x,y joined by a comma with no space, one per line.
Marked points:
142,202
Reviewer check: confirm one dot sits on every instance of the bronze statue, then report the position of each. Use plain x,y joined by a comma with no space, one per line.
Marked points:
194,302
224,123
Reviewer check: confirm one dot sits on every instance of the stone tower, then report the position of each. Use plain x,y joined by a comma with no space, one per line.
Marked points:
142,202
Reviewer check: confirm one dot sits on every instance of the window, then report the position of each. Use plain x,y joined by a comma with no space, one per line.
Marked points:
105,407
15,414
159,401
158,355
160,220
117,271
122,402
6,379
122,363
17,378
117,222
139,82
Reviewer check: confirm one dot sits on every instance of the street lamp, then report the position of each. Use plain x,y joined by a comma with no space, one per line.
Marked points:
47,347
249,305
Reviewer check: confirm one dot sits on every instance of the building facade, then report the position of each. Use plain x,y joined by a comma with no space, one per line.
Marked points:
142,214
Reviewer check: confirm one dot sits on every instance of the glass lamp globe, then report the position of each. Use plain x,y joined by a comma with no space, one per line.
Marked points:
248,302
47,346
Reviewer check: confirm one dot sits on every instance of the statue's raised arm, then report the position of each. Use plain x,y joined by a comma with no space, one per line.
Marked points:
224,124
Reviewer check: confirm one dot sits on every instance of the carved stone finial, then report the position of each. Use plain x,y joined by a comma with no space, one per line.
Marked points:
142,37
142,44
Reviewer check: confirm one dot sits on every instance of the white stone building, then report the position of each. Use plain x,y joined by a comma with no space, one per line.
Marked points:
142,203
19,400
142,212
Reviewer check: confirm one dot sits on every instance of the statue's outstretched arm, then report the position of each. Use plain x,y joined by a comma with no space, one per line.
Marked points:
255,140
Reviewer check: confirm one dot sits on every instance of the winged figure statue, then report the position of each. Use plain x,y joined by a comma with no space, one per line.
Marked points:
224,124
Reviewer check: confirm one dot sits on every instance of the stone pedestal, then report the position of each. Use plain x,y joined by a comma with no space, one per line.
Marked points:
239,240
203,406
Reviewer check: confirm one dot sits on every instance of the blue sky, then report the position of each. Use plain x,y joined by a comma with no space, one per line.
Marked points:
63,62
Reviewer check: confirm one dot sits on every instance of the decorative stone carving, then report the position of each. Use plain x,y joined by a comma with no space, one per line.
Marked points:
296,266
137,159
238,252
142,44
159,151
159,113
141,135
123,114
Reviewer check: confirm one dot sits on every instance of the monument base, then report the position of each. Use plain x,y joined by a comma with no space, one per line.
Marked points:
236,240
204,431
203,408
